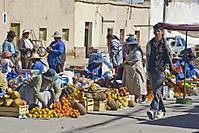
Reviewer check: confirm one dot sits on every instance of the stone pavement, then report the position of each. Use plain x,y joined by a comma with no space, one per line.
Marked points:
179,119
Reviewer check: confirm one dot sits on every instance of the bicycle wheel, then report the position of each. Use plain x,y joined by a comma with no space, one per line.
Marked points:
41,51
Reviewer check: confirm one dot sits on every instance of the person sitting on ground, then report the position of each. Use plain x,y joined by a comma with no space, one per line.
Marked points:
6,63
37,64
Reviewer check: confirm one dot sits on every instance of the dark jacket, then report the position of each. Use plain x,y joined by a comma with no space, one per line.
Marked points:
157,56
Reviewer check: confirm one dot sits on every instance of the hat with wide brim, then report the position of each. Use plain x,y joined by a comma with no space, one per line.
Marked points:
96,58
35,56
131,41
6,54
50,75
57,34
25,31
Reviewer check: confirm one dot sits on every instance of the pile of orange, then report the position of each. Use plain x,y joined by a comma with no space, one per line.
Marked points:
65,108
43,113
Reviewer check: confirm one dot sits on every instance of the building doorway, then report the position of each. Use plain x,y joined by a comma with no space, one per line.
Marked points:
137,34
16,27
88,38
122,36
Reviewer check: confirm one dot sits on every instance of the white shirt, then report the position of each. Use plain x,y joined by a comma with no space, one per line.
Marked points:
28,44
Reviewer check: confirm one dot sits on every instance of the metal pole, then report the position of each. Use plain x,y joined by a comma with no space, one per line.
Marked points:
4,5
164,11
185,59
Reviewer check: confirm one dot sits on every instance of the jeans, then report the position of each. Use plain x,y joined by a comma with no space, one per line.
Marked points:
157,81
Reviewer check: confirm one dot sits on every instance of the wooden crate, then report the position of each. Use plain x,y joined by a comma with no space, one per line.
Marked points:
19,112
196,63
88,104
100,105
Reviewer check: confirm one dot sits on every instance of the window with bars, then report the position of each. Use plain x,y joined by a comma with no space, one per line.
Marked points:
65,34
43,34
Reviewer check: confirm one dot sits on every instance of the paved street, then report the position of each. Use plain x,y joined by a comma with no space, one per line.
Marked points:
179,119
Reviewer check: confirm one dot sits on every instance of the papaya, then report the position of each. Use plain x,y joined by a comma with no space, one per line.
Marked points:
1,102
79,107
9,91
131,103
6,96
112,104
19,102
88,95
15,95
99,97
8,102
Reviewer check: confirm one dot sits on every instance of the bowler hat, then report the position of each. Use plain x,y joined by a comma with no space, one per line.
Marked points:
131,41
50,75
11,33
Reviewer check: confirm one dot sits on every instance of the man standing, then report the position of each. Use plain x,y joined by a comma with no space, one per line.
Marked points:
115,52
56,56
25,46
10,46
157,55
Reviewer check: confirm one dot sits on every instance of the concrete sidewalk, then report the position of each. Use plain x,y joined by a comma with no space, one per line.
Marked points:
179,119
73,61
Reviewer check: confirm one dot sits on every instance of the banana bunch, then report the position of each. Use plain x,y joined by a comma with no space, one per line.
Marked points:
94,87
189,85
170,76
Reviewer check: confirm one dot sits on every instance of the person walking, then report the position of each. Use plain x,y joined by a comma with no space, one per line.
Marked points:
26,49
158,55
134,75
56,56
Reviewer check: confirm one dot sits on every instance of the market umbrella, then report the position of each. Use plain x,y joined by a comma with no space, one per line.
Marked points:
186,28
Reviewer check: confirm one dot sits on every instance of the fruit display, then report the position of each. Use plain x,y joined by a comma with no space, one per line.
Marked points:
43,113
10,98
58,110
149,93
116,98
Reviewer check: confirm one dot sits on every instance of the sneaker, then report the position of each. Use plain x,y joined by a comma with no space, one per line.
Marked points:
142,102
151,114
160,114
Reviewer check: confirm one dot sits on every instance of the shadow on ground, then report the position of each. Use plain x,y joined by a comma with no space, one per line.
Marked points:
117,117
189,120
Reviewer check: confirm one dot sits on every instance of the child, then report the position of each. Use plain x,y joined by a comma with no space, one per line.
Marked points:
6,63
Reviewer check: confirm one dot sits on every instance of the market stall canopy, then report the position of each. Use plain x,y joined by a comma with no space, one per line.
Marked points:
182,28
